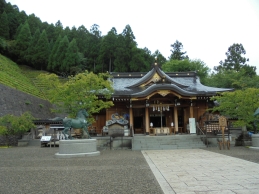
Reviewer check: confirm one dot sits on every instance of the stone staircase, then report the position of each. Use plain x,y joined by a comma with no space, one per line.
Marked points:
167,142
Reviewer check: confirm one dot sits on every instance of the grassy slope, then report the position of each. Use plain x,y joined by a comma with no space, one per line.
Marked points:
19,78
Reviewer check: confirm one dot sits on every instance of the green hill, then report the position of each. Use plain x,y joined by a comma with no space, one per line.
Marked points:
20,77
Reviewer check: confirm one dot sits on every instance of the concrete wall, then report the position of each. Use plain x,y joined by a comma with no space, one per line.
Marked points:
15,102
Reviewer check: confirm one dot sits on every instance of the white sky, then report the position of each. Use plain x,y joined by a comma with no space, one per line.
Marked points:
206,28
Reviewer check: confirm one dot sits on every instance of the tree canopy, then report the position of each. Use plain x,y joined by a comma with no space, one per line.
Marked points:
232,79
239,104
95,52
236,61
177,53
78,92
187,65
15,125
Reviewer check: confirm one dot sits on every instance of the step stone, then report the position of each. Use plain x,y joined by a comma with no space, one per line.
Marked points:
167,142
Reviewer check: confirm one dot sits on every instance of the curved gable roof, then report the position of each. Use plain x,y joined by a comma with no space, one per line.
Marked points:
155,75
140,84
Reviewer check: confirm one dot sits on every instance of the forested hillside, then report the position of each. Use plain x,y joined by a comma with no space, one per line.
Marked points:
27,40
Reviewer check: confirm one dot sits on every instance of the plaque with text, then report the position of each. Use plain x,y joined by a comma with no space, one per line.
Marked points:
45,138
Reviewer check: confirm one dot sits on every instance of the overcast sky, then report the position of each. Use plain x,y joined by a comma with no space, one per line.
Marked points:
206,28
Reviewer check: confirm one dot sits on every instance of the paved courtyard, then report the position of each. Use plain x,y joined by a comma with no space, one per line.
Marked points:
35,170
198,171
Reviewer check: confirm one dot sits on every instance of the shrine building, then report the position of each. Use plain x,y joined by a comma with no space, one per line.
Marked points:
155,100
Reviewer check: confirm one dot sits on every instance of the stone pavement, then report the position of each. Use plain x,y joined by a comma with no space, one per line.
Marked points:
198,171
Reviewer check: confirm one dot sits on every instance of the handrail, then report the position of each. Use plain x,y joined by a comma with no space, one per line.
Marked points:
200,130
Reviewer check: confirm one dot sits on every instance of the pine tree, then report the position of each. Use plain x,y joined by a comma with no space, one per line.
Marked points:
40,59
107,51
12,12
4,27
125,50
177,53
94,40
34,23
61,53
50,30
51,62
31,50
71,60
22,43
2,6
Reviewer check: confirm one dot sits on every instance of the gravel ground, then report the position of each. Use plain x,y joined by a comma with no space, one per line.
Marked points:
241,152
35,170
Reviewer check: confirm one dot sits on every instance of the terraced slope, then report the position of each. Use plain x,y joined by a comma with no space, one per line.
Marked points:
13,76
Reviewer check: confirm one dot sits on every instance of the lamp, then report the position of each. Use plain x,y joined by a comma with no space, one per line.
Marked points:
151,124
172,124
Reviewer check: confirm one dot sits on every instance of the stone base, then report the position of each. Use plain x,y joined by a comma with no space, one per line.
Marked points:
77,148
255,140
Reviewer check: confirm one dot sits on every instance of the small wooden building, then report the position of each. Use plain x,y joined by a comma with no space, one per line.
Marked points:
157,100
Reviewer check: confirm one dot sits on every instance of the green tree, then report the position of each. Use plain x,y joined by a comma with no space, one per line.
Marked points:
71,61
34,23
12,12
31,51
79,92
236,61
187,65
239,104
40,59
107,51
148,57
94,42
22,17
160,58
3,46
4,26
177,53
81,39
126,45
50,30
61,53
141,60
67,32
58,30
232,79
121,56
2,6
51,62
13,125
22,43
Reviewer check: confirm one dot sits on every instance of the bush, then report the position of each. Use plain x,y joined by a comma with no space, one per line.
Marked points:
12,125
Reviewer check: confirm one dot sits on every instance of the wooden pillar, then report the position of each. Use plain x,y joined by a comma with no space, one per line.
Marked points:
171,119
147,120
175,119
131,117
191,112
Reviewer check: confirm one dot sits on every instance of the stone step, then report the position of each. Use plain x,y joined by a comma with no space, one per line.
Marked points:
34,142
23,143
167,142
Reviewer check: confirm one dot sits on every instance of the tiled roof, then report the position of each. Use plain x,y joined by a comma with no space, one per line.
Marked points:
184,83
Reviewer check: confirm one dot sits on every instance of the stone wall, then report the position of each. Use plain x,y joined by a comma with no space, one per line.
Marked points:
15,102
12,140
